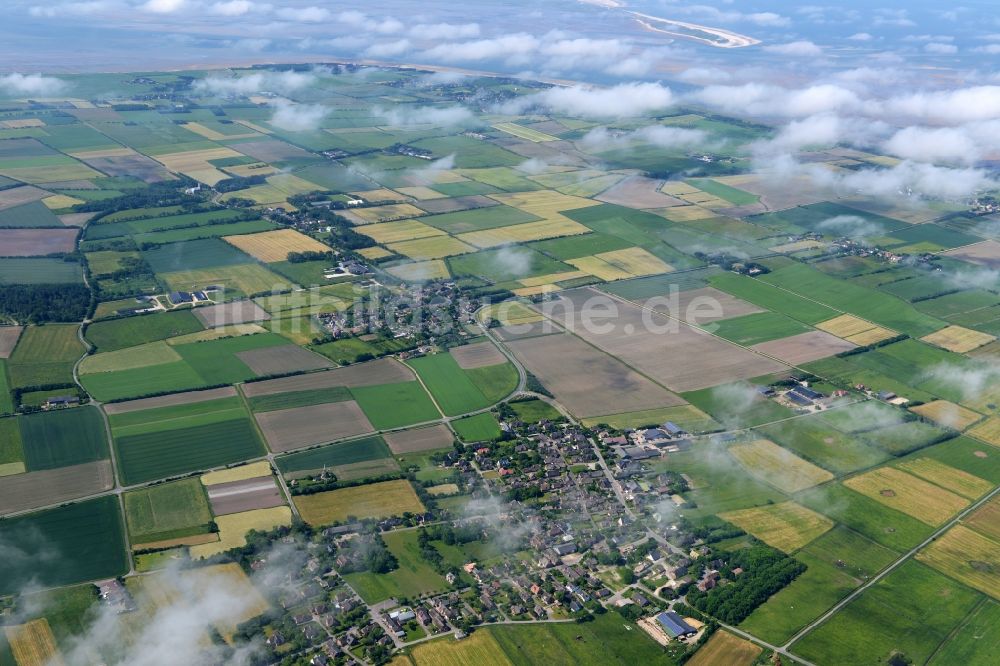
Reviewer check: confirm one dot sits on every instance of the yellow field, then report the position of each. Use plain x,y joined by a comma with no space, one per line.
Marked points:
551,278
247,170
786,526
60,201
635,260
151,353
381,194
537,289
725,648
255,128
526,133
33,644
958,339
511,312
107,152
988,431
434,247
241,473
685,213
443,489
906,493
544,203
523,233
195,163
22,123
855,330
678,187
778,466
796,246
947,414
421,193
271,246
956,480
230,577
290,185
479,649
599,268
192,540
966,556
217,333
435,269
621,264
396,232
377,500
234,527
986,519
9,469
387,213
212,135
374,252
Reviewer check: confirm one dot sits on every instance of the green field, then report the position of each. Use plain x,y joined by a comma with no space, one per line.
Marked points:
718,402
723,191
45,355
192,255
70,544
479,219
478,428
63,437
155,420
395,405
112,334
754,328
767,296
824,445
513,263
167,511
838,562
34,214
11,449
609,639
344,453
413,578
976,641
6,400
913,610
275,401
534,410
874,520
39,270
453,388
496,382
176,451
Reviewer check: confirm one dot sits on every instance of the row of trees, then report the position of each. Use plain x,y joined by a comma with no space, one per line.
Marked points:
41,303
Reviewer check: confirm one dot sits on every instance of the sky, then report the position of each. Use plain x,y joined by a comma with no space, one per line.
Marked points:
917,80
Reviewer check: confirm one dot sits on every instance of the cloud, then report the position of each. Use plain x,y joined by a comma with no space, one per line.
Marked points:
759,99
237,8
533,166
163,6
72,8
940,48
799,49
361,21
254,83
906,179
823,130
428,175
861,37
507,46
965,144
388,49
600,138
620,101
298,117
851,226
425,115
946,106
442,31
32,84
705,75
311,14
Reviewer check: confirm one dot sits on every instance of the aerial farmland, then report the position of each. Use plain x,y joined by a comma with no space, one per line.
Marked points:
508,374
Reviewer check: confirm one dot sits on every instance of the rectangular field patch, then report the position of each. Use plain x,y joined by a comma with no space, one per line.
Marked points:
289,429
855,330
908,494
778,467
956,480
958,339
234,312
420,439
272,246
477,355
36,242
282,359
786,526
376,500
947,414
246,495
967,556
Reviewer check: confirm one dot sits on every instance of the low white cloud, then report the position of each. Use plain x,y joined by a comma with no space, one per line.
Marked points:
388,49
507,46
234,8
620,101
758,99
425,115
964,144
257,82
906,179
310,14
798,49
85,8
945,106
940,48
601,138
861,37
298,117
164,6
442,31
31,84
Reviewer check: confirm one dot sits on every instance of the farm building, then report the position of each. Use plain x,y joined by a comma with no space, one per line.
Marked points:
674,625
